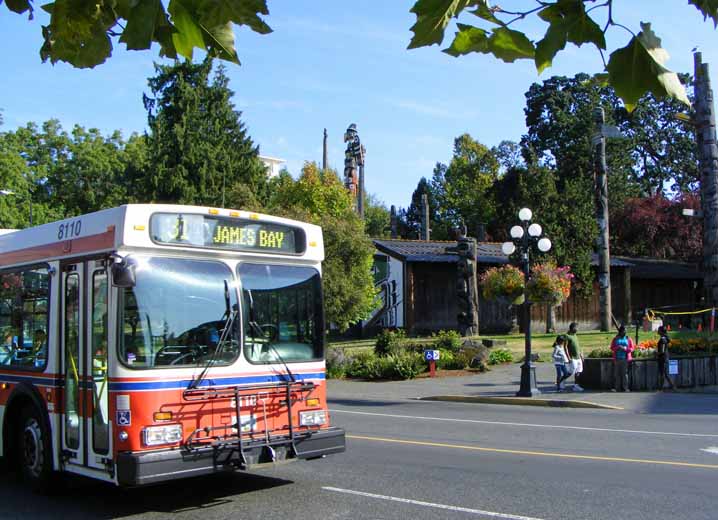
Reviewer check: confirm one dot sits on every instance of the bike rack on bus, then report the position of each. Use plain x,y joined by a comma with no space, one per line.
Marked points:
236,441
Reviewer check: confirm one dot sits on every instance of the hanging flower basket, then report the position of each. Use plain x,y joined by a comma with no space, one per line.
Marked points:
505,284
549,284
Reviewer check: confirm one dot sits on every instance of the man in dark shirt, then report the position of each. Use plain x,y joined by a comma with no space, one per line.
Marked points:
662,357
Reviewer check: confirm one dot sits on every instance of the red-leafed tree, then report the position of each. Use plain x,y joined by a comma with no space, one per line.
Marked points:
656,227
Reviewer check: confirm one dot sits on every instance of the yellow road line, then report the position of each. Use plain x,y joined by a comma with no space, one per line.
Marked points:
534,453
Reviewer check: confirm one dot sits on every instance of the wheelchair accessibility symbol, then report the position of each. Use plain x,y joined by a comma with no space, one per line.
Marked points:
124,418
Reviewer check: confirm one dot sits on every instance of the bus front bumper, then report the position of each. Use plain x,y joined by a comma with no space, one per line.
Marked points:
139,469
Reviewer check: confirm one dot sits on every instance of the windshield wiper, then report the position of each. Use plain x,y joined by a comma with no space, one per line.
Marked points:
280,358
228,317
255,327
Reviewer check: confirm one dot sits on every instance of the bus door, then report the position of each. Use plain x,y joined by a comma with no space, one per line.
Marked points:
72,341
85,421
97,426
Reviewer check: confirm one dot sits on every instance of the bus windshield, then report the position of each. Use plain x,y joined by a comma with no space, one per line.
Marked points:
281,313
175,314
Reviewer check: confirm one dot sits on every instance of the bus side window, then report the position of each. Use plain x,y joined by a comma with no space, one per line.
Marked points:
24,297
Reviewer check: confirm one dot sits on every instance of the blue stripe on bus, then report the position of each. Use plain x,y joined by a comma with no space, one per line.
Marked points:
43,381
174,385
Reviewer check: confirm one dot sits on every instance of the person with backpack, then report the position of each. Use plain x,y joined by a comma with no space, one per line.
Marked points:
622,347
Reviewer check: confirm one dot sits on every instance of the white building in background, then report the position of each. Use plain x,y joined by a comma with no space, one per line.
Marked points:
273,165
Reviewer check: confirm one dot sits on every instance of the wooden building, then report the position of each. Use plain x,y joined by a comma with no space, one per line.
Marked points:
417,285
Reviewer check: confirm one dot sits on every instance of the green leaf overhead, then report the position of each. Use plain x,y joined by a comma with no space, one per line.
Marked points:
82,33
568,22
509,45
709,8
144,21
469,39
241,12
485,12
19,6
638,68
503,43
189,33
77,33
432,17
196,28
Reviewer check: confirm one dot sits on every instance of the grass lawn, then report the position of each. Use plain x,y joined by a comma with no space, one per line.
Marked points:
540,343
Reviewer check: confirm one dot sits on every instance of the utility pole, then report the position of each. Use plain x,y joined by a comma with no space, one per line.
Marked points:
325,162
425,231
705,124
600,177
394,223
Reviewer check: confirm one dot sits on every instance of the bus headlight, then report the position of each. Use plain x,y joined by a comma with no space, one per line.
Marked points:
169,434
313,418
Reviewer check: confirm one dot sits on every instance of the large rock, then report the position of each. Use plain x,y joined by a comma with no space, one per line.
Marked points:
478,353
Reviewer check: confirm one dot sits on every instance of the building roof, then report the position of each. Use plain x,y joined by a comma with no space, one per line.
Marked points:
654,268
435,251
490,253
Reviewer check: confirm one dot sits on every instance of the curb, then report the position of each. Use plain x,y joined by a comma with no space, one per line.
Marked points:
520,401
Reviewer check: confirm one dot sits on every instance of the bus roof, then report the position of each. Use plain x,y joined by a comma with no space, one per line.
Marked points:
130,226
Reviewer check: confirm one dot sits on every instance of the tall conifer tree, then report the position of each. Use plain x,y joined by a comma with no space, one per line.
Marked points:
199,149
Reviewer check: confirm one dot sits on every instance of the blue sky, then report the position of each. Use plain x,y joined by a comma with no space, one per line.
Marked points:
328,64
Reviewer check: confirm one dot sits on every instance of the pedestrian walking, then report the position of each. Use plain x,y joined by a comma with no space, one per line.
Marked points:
575,355
662,357
622,346
560,360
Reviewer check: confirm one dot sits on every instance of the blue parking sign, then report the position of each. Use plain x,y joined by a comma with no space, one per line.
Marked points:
431,355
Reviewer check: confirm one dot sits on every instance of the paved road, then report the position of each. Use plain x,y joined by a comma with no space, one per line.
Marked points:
429,460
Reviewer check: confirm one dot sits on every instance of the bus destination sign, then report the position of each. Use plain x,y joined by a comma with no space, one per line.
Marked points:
216,232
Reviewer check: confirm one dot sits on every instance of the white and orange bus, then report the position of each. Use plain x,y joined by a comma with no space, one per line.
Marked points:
151,342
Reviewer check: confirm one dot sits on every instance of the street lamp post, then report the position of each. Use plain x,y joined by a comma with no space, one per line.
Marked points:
524,236
5,193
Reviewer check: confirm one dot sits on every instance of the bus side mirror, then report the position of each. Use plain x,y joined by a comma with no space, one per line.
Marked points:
123,273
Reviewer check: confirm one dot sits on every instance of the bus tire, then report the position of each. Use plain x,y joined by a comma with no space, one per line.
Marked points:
35,450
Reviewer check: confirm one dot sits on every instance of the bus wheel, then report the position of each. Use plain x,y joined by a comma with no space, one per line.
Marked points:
35,453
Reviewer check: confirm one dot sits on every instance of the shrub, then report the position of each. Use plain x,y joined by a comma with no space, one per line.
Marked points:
499,356
402,365
453,360
603,352
336,362
446,359
336,372
414,346
447,340
389,342
364,366
405,365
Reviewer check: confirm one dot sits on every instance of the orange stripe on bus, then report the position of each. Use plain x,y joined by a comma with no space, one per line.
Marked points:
72,247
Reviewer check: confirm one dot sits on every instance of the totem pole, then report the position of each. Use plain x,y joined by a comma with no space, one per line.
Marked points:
705,123
354,167
466,289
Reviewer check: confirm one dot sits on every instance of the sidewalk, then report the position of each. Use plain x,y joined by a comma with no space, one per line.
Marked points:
499,386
